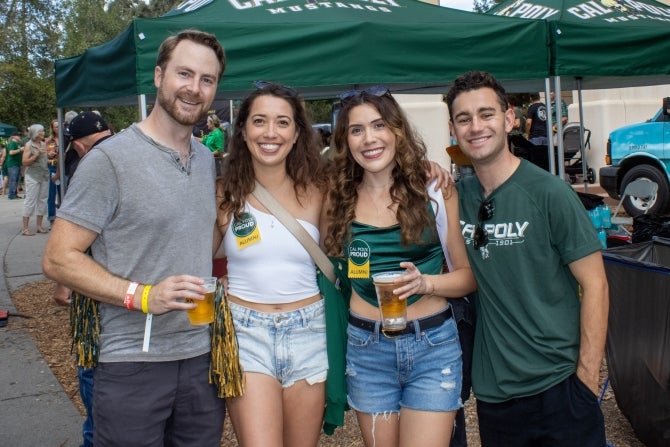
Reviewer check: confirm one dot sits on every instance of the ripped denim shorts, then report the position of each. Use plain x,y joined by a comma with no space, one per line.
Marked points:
420,371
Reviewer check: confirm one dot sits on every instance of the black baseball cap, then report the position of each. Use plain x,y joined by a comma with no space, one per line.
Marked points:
85,124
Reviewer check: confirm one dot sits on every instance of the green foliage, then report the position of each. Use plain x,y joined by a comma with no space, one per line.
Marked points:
34,33
320,111
87,24
29,43
157,8
25,96
482,6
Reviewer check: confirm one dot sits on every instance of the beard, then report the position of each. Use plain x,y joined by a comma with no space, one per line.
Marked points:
171,105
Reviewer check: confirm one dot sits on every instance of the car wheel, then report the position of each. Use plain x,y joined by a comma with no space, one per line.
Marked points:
591,176
635,206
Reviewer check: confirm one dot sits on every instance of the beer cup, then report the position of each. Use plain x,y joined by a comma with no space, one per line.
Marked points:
393,310
204,312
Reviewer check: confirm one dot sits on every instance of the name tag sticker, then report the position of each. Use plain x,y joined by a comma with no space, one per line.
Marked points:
358,259
246,231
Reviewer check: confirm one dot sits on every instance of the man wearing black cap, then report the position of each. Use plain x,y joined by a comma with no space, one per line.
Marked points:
84,132
144,202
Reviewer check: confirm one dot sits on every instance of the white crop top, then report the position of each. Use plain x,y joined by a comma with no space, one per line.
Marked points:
273,267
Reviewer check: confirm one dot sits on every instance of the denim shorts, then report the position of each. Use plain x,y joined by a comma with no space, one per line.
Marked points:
288,346
420,371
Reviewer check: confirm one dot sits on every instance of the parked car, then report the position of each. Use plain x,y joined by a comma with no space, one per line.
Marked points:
640,151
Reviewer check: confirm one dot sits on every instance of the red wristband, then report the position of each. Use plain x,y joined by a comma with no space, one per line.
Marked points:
130,294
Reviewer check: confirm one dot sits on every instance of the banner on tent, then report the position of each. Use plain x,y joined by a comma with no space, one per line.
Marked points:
275,7
610,11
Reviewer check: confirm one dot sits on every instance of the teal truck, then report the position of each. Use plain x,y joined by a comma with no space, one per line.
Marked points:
640,151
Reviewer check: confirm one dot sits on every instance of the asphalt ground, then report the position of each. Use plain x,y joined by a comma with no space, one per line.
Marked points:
34,409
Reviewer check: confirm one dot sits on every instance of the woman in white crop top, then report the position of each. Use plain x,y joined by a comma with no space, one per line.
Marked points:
277,309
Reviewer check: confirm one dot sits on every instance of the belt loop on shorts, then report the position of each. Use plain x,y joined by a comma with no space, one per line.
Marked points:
417,329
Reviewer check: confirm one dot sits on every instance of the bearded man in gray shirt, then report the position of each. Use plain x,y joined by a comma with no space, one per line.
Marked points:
144,203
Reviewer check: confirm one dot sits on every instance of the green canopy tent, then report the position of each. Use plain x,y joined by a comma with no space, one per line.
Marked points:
601,44
605,43
320,48
6,130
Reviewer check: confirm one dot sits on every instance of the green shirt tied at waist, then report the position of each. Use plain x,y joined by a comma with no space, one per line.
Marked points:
374,250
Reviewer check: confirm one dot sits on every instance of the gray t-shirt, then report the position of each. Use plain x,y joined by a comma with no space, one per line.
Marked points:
154,218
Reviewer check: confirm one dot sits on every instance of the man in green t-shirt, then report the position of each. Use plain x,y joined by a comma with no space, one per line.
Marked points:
13,164
538,346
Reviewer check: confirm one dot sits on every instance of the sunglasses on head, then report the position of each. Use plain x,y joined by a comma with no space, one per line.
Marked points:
272,86
375,90
486,210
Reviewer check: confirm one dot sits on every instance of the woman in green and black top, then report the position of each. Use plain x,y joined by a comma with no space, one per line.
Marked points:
381,214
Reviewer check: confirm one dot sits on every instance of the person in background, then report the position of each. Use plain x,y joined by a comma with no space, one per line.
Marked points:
85,131
519,120
564,110
405,386
278,312
13,162
36,179
214,139
3,175
52,162
536,121
539,338
144,202
70,155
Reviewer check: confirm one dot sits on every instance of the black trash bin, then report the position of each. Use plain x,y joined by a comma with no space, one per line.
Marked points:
638,336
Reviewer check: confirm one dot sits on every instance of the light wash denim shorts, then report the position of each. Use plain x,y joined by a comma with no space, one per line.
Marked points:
420,371
289,346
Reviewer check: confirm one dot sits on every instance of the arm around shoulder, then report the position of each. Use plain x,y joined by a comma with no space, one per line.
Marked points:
460,281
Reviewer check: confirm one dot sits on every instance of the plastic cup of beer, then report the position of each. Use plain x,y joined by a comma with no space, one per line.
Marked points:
393,309
204,312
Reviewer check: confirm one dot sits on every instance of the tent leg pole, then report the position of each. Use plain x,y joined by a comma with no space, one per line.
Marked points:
61,152
550,140
581,133
142,103
559,127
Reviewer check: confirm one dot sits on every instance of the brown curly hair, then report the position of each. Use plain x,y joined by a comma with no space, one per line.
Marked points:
303,164
408,190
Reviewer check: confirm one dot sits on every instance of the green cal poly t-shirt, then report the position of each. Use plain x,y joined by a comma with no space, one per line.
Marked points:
527,333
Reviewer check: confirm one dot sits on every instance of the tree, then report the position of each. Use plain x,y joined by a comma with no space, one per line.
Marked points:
94,22
320,111
28,98
156,8
29,43
87,24
482,6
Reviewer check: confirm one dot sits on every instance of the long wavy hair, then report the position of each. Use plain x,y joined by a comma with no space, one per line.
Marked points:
303,164
408,189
